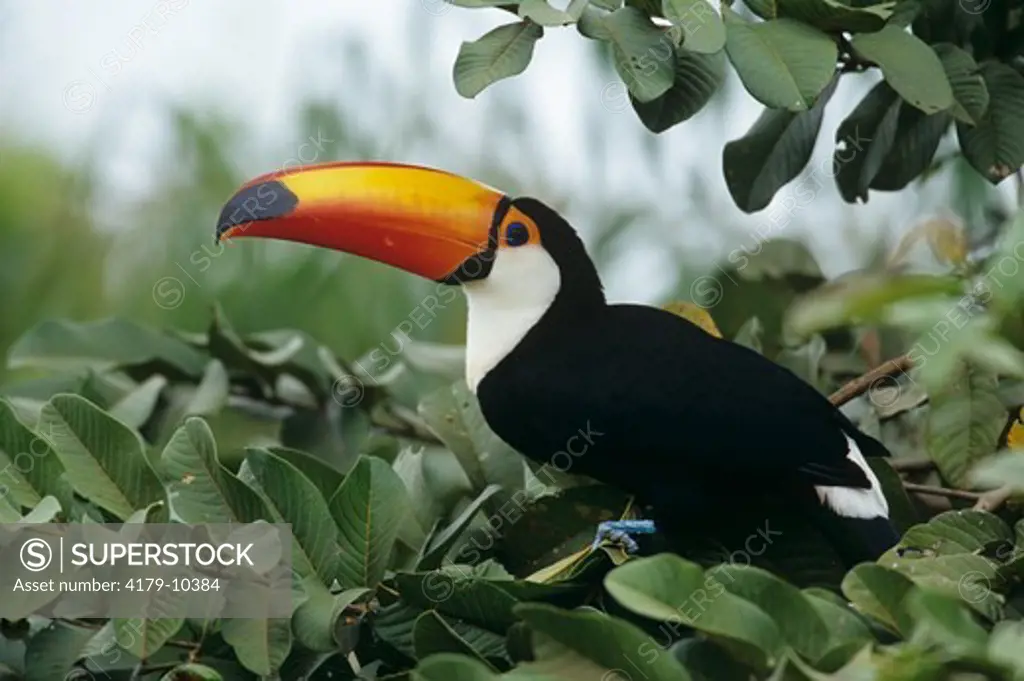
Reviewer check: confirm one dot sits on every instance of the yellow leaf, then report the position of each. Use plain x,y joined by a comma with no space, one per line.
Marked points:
1015,436
694,313
946,239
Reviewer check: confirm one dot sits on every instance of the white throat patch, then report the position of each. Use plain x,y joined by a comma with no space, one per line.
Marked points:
505,305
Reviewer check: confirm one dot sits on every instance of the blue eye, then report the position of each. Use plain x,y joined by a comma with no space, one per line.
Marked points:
516,234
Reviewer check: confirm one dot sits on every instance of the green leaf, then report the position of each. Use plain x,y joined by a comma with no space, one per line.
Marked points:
135,408
433,634
456,592
143,637
998,470
863,299
914,142
540,12
326,477
652,586
104,460
702,27
970,578
697,78
995,146
909,66
798,621
964,531
454,667
863,141
1006,645
608,643
211,394
315,622
774,151
643,54
944,621
192,672
299,503
105,345
368,509
30,468
834,16
880,592
51,652
205,491
845,628
970,94
501,53
964,423
435,550
783,63
260,644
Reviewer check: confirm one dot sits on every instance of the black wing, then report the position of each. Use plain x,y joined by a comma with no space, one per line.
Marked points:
644,387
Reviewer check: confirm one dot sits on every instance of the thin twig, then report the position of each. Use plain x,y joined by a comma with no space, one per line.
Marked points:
942,492
862,384
993,500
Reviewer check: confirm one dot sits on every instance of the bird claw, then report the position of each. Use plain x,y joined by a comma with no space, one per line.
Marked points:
619,531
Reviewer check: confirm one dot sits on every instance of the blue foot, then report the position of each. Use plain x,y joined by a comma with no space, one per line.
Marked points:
620,531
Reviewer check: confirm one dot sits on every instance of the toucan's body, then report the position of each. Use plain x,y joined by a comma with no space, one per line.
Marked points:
639,398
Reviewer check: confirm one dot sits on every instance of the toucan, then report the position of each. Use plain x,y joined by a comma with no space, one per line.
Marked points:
693,426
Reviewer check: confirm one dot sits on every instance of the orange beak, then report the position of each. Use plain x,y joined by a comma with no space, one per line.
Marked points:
425,221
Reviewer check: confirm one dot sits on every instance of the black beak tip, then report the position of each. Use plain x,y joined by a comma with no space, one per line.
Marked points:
260,201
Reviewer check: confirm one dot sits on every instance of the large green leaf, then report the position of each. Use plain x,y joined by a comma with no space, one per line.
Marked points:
454,667
953,532
456,592
880,592
783,63
909,65
260,644
608,643
964,423
299,503
833,15
644,55
433,634
914,142
368,509
135,408
104,345
774,151
668,588
701,27
51,652
863,141
30,468
697,78
501,53
205,491
944,620
970,94
995,146
104,459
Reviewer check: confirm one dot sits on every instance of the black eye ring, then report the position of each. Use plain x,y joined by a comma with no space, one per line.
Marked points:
516,234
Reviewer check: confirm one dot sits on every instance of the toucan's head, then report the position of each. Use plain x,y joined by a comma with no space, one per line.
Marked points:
429,222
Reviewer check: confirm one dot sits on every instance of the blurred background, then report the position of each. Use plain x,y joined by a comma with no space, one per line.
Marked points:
125,127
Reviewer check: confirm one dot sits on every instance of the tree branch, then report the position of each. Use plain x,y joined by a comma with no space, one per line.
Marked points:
912,465
862,384
942,492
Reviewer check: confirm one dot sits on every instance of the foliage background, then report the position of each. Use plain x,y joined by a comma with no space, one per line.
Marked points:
115,157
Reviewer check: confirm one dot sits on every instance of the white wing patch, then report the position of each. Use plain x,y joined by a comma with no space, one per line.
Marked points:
856,503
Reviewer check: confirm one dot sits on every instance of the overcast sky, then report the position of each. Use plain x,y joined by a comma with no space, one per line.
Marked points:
71,72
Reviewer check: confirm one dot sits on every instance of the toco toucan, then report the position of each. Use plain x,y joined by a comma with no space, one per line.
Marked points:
694,426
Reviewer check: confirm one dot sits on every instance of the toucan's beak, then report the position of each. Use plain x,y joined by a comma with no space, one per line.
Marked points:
421,220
